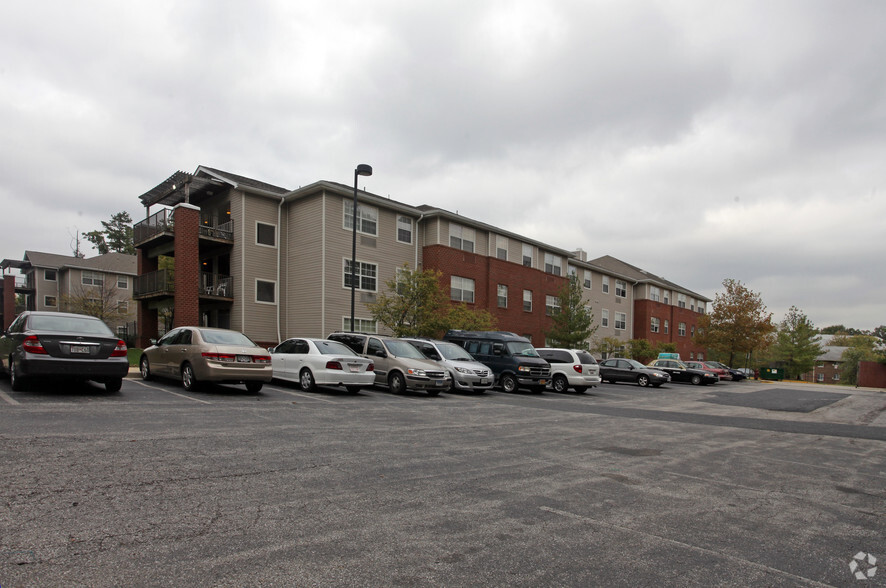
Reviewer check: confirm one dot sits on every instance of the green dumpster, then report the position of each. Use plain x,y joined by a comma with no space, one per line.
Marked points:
771,374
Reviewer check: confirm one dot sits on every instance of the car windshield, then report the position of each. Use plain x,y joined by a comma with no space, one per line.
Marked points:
635,364
404,349
521,348
585,357
225,337
333,348
454,352
68,324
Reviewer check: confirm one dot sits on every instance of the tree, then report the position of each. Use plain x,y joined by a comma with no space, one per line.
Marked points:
608,346
102,300
414,304
116,236
796,344
664,348
738,322
641,350
460,316
573,323
849,363
880,333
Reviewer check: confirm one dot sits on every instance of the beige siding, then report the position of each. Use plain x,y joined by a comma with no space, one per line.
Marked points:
303,269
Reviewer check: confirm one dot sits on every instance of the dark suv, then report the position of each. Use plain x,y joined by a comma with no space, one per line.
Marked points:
512,358
398,365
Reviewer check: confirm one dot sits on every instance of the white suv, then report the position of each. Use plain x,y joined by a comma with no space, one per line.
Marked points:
571,368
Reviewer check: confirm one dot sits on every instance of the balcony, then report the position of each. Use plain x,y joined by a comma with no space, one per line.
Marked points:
156,284
216,286
160,227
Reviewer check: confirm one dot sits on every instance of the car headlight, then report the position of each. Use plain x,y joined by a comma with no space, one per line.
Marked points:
416,372
524,368
462,370
658,375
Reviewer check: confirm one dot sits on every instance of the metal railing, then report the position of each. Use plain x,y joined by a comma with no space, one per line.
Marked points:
158,282
222,231
159,222
216,285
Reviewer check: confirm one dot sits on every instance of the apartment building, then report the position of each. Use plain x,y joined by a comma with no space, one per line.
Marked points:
663,312
52,282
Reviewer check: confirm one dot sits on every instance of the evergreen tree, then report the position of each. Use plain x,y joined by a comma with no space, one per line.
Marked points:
116,236
573,323
796,345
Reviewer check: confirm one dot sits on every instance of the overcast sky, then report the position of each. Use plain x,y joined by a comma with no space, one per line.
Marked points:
697,140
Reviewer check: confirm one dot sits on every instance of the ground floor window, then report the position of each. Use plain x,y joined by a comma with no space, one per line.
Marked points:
461,289
361,325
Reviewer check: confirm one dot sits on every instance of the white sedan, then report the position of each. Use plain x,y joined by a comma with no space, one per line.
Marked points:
321,362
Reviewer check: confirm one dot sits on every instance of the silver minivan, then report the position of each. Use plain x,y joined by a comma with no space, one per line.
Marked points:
467,373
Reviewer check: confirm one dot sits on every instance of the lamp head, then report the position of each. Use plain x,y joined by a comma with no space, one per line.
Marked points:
363,170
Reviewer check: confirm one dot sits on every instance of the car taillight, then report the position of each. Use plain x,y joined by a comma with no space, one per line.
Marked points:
370,367
219,356
333,365
261,358
120,350
577,368
32,344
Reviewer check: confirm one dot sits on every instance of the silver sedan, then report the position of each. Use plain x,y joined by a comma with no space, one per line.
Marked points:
321,362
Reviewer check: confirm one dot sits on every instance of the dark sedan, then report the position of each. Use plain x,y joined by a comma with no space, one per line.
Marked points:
680,372
60,345
629,370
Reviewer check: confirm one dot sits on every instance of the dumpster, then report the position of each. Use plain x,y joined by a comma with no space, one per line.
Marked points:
771,374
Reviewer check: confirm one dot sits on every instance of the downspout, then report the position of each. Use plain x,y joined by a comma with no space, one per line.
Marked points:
279,255
416,240
633,310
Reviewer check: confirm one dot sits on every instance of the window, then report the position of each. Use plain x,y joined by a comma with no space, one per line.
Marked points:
553,264
265,234
692,331
654,293
604,317
50,275
461,289
681,329
820,364
527,300
265,291
667,297
366,275
621,288
92,279
667,327
122,282
621,321
51,301
501,247
552,305
502,296
527,255
367,218
605,284
692,304
362,325
700,356
404,229
819,377
681,300
401,281
587,280
836,377
461,237
122,306
654,325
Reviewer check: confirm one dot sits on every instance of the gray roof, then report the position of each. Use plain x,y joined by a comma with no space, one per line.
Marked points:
832,353
114,263
638,275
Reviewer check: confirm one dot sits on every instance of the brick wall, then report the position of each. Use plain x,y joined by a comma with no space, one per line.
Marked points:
644,310
187,266
488,273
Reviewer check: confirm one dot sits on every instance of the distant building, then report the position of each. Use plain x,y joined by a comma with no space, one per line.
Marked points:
827,366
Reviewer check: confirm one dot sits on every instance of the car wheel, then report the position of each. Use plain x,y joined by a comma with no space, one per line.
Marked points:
353,389
580,389
144,367
642,380
189,380
696,380
508,383
561,384
254,387
306,379
16,381
396,383
114,385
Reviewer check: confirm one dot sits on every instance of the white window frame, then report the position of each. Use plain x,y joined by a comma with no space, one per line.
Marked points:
366,325
621,318
368,214
527,255
46,277
123,306
681,300
346,274
666,297
604,317
654,324
527,299
90,278
621,289
552,305
502,293
122,283
46,301
463,235
588,281
555,263
667,326
501,245
460,285
654,294
605,284
259,243
681,329
401,227
272,282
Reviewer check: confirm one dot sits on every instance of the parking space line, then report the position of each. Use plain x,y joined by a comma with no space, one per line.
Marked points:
170,392
9,399
302,395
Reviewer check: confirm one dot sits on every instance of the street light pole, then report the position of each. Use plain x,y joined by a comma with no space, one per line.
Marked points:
361,170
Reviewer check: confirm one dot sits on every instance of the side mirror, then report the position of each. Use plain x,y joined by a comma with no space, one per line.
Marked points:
271,349
381,353
153,341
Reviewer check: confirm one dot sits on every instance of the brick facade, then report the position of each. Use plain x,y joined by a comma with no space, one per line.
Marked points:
488,273
644,310
187,266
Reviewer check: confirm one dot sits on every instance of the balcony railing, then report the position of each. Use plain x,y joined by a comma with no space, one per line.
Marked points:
216,285
156,224
222,231
155,283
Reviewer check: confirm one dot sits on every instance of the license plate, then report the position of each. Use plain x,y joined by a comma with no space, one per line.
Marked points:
438,382
354,367
244,358
542,382
484,382
80,349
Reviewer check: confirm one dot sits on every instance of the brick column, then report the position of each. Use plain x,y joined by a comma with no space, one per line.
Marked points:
146,318
187,265
8,300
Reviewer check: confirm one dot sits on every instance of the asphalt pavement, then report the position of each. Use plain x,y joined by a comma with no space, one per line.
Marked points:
736,484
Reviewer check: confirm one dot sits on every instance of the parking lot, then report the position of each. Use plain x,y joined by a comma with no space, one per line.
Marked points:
736,484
